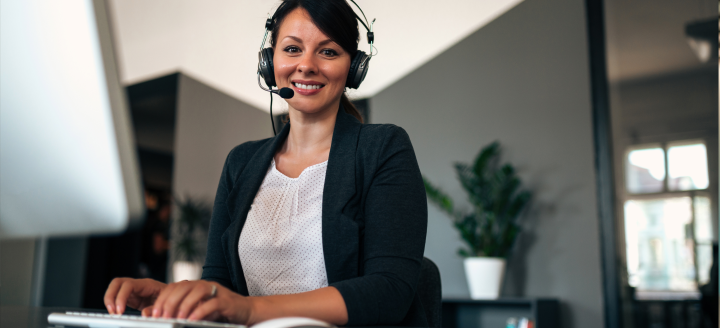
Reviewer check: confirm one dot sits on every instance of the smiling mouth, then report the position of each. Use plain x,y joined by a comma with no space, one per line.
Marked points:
308,86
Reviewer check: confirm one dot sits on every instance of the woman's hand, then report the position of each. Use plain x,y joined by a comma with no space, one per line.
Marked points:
135,293
193,300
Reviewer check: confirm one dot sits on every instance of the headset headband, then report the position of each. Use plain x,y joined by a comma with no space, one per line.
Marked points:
370,35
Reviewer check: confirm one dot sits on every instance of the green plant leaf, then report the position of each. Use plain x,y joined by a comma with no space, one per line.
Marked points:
494,191
192,215
464,252
437,196
485,158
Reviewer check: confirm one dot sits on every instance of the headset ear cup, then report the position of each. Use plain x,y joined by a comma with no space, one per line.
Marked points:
358,70
265,66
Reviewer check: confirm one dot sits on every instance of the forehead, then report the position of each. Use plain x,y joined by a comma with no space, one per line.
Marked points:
298,23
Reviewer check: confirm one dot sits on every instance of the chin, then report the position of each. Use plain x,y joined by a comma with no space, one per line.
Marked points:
308,106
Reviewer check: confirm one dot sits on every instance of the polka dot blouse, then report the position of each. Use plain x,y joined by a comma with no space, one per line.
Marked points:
281,249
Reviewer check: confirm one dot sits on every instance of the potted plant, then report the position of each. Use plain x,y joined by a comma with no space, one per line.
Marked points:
191,231
489,230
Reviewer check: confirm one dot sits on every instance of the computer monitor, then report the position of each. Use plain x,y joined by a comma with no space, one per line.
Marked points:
68,161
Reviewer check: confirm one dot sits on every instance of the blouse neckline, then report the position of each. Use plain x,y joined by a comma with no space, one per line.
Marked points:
307,169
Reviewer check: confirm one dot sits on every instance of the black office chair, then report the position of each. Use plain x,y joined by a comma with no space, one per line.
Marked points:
430,292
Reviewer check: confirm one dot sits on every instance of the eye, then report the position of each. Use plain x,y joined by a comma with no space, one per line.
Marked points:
292,49
329,52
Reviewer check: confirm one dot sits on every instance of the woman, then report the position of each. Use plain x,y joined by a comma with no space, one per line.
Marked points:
326,220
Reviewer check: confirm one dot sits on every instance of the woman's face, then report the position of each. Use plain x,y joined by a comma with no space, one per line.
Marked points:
307,61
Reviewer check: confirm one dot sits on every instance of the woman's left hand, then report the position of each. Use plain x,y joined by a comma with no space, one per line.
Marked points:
193,300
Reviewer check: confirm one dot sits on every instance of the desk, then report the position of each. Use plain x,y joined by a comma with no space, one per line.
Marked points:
27,316
36,317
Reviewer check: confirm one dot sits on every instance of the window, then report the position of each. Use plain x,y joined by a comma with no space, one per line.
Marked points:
645,170
687,167
668,229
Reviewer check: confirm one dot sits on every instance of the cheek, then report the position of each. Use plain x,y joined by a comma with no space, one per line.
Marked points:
283,68
336,73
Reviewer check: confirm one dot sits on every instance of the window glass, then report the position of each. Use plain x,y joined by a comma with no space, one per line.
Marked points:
703,238
703,224
704,254
645,170
687,167
659,245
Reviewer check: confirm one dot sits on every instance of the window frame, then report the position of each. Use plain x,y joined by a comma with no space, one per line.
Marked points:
666,179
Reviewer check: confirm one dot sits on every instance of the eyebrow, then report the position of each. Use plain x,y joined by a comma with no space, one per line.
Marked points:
322,43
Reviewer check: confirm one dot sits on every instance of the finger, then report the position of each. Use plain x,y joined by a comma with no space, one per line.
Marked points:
126,289
160,300
111,293
205,309
170,306
194,297
146,312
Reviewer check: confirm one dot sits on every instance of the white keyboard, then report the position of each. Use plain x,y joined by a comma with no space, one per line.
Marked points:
102,320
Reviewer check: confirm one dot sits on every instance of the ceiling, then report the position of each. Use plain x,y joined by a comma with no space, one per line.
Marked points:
646,38
217,41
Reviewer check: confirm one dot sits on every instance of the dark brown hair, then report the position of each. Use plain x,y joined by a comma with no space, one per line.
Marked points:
336,19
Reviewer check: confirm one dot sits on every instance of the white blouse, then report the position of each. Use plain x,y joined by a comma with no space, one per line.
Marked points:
281,249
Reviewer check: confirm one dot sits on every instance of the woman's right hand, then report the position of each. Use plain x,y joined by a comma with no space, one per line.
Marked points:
135,293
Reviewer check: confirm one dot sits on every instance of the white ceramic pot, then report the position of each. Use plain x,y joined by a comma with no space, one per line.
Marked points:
185,270
484,277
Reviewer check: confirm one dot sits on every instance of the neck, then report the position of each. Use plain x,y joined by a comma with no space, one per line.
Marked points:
310,133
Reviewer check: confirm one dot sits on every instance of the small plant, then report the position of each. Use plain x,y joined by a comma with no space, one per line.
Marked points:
494,191
194,220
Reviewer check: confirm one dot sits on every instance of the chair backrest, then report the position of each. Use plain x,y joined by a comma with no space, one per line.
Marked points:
430,292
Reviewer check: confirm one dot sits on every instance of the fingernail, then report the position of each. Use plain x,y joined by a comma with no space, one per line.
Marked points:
155,313
109,308
118,309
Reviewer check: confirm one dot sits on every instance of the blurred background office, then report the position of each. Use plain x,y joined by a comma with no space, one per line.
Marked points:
607,109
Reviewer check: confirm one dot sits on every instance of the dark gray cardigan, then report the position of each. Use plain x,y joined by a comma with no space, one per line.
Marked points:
374,219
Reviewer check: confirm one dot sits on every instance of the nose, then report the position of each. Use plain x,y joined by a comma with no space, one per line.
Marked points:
307,64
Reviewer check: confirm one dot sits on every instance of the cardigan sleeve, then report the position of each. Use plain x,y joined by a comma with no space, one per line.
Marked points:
395,218
216,268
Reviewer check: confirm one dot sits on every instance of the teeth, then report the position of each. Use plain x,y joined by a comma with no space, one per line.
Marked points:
308,86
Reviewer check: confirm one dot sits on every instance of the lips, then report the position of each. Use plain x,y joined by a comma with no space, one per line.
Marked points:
307,88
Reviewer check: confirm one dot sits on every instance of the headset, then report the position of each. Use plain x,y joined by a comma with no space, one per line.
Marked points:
358,65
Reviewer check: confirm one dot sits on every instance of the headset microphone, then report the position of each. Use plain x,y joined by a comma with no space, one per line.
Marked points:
285,93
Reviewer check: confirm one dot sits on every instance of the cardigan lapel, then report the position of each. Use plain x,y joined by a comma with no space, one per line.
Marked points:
340,232
241,197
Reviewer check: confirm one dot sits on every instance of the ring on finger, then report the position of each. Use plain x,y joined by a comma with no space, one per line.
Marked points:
213,291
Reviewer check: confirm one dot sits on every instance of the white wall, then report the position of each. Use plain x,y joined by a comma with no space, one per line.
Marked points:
523,80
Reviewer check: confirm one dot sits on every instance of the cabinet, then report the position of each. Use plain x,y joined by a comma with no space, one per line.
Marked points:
466,313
